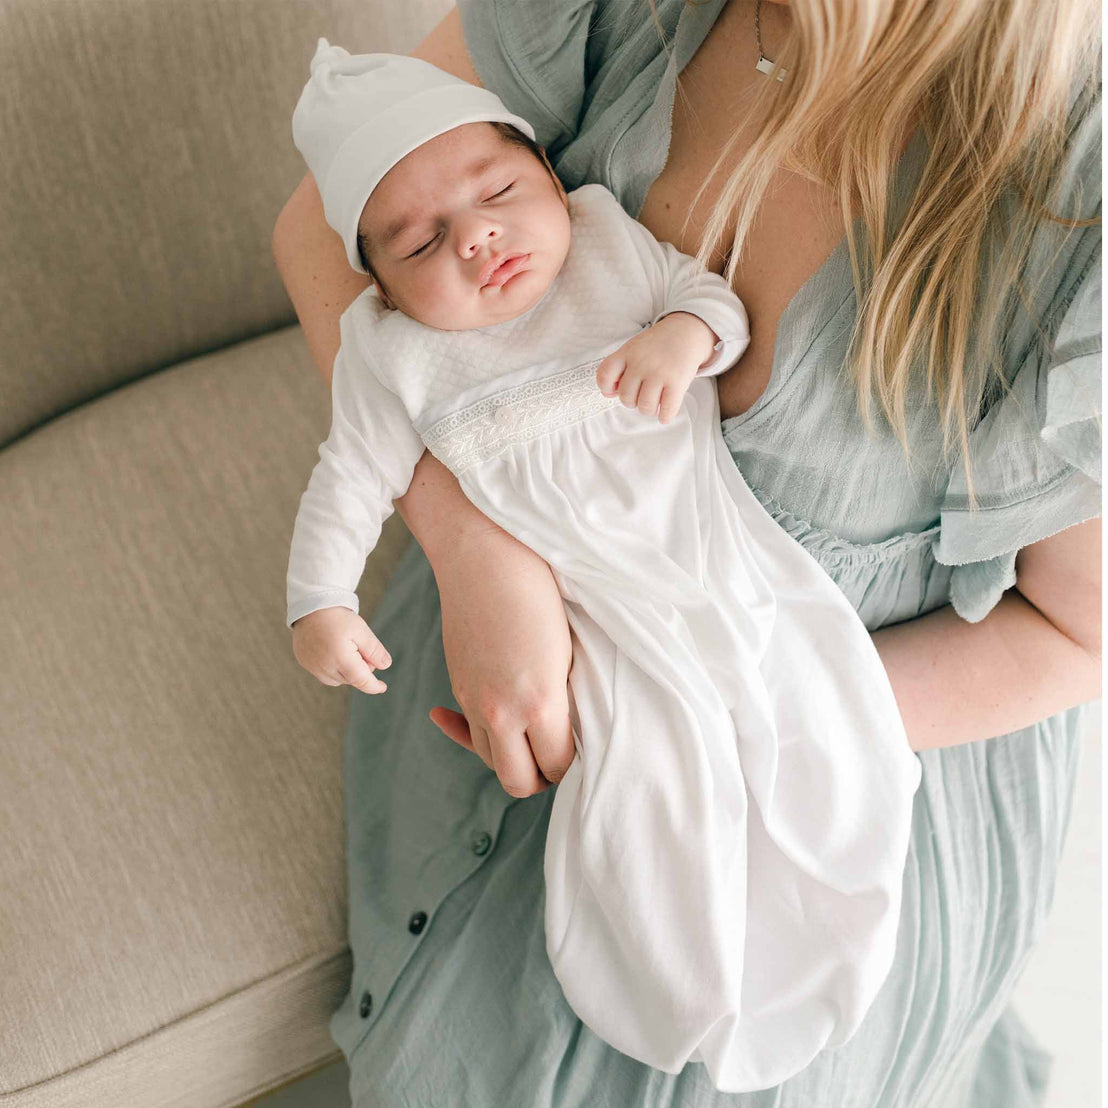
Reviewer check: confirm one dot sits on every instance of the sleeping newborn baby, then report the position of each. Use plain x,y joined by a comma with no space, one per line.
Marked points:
725,853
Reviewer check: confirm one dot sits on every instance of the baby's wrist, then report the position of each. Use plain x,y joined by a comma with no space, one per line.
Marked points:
700,338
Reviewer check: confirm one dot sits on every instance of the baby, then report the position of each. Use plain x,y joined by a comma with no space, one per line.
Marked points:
729,840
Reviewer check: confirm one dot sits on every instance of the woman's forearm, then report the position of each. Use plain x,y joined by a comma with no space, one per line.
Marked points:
442,518
956,682
312,262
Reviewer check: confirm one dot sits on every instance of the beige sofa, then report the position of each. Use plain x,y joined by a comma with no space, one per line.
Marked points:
173,900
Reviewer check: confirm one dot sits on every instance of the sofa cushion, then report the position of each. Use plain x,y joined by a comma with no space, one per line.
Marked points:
147,150
173,903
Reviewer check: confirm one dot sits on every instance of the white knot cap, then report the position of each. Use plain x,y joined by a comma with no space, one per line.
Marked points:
359,114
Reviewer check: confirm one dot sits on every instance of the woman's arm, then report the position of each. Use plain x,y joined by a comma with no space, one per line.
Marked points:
1036,653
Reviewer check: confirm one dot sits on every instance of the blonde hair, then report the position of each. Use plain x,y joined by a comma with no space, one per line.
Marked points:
990,83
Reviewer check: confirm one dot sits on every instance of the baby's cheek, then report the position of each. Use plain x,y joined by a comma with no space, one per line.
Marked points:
424,288
448,300
444,286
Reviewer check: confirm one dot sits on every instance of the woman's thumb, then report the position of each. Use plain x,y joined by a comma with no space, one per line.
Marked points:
453,725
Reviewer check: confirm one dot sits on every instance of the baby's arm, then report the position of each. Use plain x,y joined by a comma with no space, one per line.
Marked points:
659,363
653,369
678,284
365,463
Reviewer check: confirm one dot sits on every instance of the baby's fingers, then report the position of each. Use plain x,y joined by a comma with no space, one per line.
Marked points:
649,395
369,645
608,373
355,672
362,656
629,385
669,403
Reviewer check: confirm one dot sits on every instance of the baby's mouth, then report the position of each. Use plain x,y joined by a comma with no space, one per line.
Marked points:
505,268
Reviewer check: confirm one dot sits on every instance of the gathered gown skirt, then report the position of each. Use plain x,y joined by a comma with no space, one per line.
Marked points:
725,853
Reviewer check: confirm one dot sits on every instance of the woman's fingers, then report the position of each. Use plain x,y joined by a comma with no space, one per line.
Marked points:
551,742
453,725
512,759
481,745
525,762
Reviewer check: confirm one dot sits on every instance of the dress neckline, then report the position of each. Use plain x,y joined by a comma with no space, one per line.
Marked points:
815,304
801,321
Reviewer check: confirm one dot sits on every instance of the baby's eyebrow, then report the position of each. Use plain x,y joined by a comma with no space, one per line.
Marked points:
404,223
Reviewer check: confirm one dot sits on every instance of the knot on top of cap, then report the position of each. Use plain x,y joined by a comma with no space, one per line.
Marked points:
325,52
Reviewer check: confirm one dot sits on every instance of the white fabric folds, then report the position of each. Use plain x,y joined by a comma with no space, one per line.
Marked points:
724,857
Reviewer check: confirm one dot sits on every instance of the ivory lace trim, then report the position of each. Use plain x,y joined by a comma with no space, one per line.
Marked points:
484,429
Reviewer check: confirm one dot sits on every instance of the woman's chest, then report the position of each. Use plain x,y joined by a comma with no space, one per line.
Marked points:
799,224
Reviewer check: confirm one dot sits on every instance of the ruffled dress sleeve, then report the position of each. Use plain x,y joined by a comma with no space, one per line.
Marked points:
1035,456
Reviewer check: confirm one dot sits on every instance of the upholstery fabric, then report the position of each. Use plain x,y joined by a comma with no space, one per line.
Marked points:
171,843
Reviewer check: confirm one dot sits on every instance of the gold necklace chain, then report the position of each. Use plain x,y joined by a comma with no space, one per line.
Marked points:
764,64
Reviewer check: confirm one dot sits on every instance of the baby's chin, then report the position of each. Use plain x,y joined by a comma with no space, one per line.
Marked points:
494,305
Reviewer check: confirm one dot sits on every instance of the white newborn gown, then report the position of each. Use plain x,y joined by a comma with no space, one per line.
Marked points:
725,854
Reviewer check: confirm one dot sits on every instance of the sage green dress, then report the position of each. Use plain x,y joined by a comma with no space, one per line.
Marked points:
453,1001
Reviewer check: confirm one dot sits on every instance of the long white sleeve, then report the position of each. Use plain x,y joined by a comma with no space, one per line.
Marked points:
365,463
679,284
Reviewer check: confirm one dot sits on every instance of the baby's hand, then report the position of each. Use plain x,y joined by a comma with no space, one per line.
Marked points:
653,370
336,646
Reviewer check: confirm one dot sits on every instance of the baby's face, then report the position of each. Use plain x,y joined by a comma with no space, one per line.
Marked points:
467,199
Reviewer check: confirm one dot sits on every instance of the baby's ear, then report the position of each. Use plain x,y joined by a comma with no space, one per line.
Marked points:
381,293
554,177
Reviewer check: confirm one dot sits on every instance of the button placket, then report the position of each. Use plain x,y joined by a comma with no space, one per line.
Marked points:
399,949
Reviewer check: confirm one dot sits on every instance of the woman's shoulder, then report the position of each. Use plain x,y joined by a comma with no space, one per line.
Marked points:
573,67
530,53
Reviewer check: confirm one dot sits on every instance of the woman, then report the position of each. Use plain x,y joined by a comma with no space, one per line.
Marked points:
934,444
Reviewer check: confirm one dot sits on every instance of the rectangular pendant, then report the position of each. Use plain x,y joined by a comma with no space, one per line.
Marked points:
766,66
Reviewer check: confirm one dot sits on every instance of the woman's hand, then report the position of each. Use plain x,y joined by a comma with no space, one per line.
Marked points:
508,651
